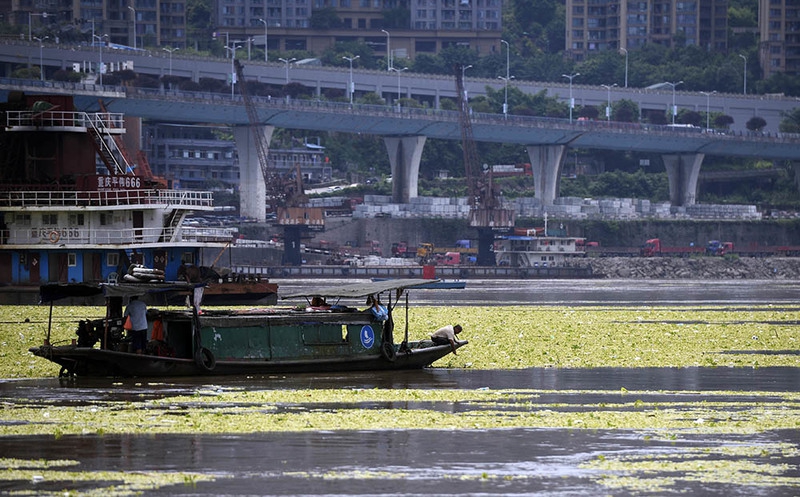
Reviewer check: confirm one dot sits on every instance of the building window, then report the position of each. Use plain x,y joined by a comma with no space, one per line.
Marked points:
112,259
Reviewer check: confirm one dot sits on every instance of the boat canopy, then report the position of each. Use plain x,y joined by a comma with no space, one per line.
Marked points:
358,290
57,291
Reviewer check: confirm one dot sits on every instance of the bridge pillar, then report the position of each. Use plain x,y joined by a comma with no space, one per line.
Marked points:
682,172
252,190
546,164
405,153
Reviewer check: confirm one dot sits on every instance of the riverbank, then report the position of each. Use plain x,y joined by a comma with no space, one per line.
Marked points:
696,268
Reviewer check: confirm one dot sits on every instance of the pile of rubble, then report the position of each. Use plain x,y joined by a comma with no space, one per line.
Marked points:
720,268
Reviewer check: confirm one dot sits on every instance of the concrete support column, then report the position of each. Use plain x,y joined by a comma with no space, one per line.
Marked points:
682,171
405,153
252,190
546,164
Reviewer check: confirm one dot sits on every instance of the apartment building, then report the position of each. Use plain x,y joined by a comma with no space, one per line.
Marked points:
133,23
779,28
598,25
432,24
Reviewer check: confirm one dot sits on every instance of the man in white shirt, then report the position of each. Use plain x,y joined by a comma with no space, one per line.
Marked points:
447,334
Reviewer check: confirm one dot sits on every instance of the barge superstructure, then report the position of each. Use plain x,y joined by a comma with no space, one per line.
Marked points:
75,207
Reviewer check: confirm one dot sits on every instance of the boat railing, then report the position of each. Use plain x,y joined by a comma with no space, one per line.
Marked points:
108,121
106,198
83,235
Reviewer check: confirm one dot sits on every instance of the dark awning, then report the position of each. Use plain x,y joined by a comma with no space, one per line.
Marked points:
357,290
57,291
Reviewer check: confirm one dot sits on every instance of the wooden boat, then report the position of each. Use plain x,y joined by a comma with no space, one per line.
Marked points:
302,338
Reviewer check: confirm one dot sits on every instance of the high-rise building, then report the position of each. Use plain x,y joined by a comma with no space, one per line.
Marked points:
779,27
156,22
598,25
428,25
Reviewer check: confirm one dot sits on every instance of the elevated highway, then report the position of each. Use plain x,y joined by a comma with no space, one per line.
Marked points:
405,131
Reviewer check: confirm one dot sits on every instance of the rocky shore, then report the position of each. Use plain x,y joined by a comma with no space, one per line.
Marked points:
713,268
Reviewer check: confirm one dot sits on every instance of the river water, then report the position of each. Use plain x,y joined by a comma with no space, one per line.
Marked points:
516,461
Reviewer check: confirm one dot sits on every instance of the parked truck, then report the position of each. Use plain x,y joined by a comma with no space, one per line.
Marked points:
653,248
427,253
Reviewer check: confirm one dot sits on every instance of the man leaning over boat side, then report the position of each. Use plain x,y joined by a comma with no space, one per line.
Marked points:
137,310
447,334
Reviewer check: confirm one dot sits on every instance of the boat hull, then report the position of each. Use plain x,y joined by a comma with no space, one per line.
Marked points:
94,362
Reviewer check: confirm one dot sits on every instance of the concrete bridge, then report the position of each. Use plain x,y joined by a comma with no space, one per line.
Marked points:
405,131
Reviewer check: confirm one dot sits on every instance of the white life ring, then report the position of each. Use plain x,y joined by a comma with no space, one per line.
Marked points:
55,236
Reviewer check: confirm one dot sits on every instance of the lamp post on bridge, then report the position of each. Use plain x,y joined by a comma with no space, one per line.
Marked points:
41,57
351,88
608,105
745,73
708,98
507,78
389,62
170,50
625,51
398,71
233,49
287,62
571,100
30,22
264,21
674,107
100,69
134,25
463,75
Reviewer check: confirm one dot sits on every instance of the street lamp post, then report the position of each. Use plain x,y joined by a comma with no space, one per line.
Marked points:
608,105
507,78
571,100
100,69
266,58
170,50
233,70
463,71
134,25
745,73
674,107
287,62
398,71
30,23
625,51
351,88
708,114
389,64
41,57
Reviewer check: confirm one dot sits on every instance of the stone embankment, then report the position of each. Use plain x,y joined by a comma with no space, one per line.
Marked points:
696,268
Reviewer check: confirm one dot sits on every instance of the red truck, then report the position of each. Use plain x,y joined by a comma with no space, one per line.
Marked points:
653,248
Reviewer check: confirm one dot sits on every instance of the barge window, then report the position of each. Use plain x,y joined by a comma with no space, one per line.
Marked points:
22,219
72,259
112,259
49,218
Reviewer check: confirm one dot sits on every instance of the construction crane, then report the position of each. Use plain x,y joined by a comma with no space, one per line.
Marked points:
284,193
485,212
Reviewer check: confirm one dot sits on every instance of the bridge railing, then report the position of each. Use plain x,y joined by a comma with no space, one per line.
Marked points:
390,111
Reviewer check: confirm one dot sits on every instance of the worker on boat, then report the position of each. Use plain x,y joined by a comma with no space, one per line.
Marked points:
137,310
377,309
319,304
447,334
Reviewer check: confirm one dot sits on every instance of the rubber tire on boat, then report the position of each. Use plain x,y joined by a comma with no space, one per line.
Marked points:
65,373
206,360
387,351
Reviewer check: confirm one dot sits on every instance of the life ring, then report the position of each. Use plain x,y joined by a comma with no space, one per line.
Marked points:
55,236
387,351
205,359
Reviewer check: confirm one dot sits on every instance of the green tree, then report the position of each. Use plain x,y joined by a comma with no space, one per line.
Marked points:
625,111
791,121
755,123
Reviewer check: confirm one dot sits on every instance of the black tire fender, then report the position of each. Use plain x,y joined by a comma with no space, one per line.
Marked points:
387,351
205,359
